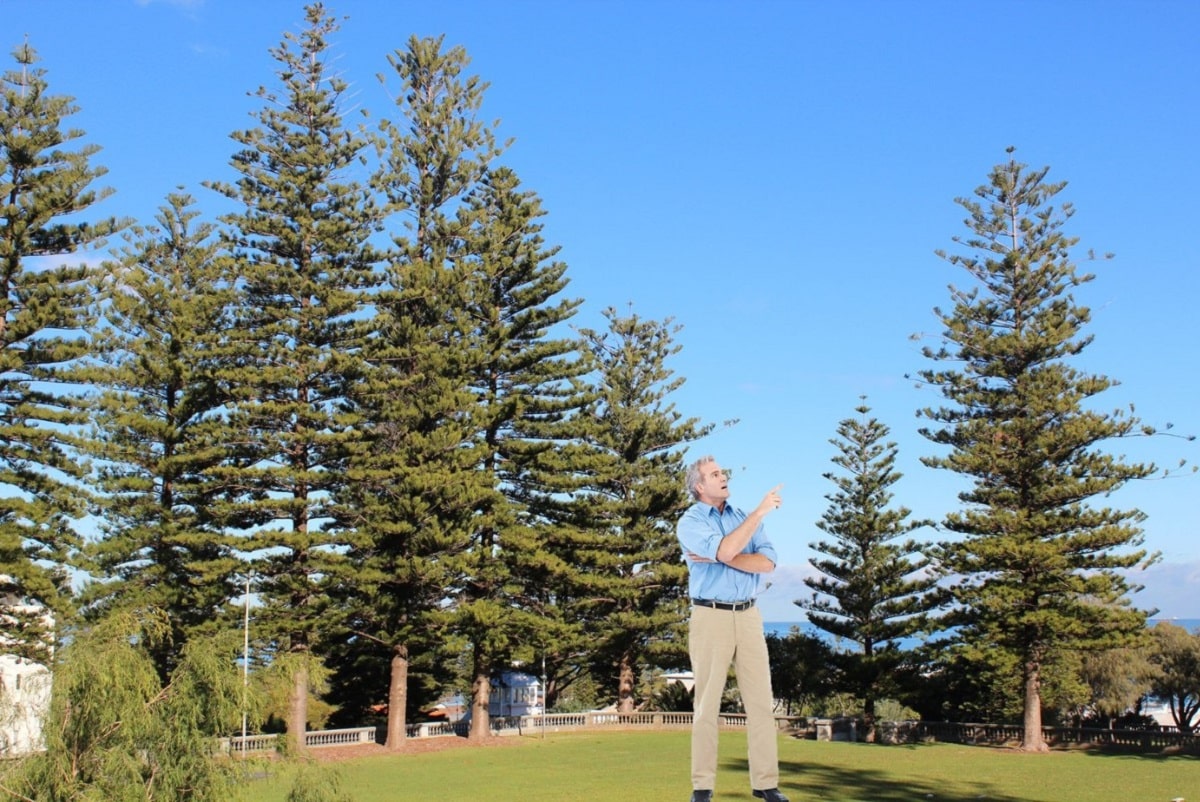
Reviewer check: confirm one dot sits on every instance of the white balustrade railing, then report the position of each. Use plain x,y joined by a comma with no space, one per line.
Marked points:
822,729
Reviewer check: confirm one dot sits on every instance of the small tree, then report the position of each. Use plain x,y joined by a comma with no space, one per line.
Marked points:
1038,569
1176,654
873,589
116,732
803,670
1118,680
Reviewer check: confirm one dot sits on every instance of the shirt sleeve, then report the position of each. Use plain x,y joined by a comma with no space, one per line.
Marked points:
698,534
761,544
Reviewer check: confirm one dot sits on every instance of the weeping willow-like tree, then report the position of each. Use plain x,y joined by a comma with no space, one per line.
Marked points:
116,731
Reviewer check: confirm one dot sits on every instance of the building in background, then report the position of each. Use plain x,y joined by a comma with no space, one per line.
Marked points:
515,694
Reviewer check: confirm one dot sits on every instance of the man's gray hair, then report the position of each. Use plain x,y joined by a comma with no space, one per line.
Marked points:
695,474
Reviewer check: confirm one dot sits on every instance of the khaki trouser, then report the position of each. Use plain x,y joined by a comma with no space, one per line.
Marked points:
717,638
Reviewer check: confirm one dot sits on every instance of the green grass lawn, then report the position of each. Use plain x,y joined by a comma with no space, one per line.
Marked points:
653,767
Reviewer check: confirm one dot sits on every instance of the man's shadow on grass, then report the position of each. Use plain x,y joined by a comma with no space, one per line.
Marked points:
804,780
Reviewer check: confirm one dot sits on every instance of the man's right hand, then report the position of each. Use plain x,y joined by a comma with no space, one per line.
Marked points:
771,501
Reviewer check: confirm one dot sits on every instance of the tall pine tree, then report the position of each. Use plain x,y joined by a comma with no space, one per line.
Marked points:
45,195
529,400
873,589
1039,563
165,304
631,584
416,485
304,260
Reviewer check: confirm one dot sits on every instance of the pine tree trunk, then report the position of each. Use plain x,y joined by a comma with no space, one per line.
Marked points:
625,685
481,724
1033,741
869,720
397,698
298,711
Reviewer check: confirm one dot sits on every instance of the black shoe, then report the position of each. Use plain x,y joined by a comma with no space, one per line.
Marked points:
701,795
771,795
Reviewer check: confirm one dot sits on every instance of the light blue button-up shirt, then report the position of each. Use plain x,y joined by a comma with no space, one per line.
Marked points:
700,531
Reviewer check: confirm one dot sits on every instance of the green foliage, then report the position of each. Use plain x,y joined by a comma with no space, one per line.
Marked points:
302,255
631,586
1117,680
1038,568
164,304
873,589
893,710
317,783
116,732
44,199
583,693
972,682
975,681
671,697
803,670
276,683
1176,655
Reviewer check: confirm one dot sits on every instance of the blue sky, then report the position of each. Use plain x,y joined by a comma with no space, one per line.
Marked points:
774,176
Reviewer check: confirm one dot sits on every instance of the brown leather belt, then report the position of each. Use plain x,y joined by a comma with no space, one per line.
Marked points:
736,607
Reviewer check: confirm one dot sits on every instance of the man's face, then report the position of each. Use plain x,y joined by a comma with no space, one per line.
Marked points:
713,487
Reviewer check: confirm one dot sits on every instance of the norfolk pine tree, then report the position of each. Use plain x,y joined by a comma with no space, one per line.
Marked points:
416,487
530,395
165,304
872,589
631,582
304,261
45,180
1038,566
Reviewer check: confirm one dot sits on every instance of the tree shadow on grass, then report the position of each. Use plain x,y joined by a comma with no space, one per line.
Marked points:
810,780
1166,756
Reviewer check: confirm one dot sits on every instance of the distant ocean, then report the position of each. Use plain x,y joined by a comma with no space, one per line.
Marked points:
782,628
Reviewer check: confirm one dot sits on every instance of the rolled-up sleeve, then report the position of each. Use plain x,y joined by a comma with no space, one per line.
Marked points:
759,544
700,531
698,534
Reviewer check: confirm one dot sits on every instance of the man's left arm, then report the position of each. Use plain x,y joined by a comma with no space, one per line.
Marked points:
753,562
760,558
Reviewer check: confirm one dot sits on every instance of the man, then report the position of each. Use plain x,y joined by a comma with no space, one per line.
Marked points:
727,551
